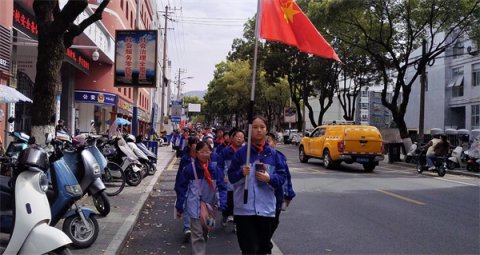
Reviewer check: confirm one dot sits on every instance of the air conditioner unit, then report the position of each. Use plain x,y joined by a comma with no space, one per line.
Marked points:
471,48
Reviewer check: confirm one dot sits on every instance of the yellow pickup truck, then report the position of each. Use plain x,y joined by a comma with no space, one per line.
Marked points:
347,143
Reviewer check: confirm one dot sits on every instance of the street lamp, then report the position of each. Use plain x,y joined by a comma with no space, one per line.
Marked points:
179,85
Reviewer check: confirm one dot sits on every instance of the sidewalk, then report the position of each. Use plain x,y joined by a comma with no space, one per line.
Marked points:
456,171
125,210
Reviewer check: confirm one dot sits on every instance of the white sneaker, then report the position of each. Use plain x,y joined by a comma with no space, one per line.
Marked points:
186,235
230,219
224,221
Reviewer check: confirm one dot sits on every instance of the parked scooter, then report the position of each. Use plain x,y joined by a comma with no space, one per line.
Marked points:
151,156
473,162
29,207
439,163
458,159
87,171
119,152
412,156
142,157
80,223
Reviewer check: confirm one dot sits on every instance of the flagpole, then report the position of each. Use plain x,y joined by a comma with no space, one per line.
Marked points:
252,100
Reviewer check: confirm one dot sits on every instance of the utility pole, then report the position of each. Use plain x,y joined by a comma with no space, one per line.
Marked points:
423,81
179,85
164,69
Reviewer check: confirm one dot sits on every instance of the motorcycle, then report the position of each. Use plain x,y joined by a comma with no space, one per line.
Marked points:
25,207
439,163
151,156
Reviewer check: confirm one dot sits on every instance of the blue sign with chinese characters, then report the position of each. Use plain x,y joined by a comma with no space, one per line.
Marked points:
95,97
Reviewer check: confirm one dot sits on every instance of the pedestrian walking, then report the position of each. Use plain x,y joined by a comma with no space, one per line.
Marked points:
284,195
186,159
197,185
255,218
224,160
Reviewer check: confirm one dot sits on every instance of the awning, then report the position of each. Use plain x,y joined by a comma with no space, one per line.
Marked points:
11,95
456,81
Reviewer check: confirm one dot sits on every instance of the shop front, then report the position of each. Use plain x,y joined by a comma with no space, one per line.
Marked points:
96,106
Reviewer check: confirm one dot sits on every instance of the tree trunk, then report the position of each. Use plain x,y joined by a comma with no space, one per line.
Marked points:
51,52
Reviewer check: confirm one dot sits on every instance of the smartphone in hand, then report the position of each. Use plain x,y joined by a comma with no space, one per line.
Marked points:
259,166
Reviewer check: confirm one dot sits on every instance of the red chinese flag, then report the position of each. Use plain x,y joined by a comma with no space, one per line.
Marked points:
284,21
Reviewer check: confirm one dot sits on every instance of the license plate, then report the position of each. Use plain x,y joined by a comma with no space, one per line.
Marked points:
363,160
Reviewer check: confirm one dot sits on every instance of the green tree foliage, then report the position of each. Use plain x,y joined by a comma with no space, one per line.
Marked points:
389,31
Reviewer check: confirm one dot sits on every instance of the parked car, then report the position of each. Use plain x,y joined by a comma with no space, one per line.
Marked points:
347,143
289,135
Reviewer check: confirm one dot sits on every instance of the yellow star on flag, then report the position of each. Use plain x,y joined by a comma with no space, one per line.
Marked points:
289,12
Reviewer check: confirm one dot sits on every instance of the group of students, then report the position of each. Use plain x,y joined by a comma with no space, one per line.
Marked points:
214,170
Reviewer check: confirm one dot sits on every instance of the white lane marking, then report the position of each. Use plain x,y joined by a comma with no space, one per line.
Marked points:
448,180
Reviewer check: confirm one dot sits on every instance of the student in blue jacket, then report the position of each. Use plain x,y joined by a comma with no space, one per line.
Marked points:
254,219
225,158
187,158
199,181
285,194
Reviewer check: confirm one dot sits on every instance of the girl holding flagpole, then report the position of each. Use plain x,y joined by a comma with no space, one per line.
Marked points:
264,174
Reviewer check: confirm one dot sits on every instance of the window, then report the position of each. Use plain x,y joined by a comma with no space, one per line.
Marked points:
364,106
127,9
121,4
476,74
364,93
119,90
129,92
364,117
457,82
125,91
475,116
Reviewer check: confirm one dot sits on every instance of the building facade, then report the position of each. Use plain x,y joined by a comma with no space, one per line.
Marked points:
87,91
452,92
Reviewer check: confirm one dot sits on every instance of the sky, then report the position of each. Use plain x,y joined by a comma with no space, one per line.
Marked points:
202,36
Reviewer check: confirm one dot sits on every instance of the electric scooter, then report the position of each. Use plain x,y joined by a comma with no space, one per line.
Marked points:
87,171
32,233
151,156
80,223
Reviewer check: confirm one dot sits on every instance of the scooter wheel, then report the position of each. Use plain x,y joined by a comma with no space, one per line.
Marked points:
101,202
419,168
441,171
450,165
152,168
76,230
133,178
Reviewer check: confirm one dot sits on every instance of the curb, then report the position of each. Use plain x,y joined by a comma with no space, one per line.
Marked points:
453,172
120,237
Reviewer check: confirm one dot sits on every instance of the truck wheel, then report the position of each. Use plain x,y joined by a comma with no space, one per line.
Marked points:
369,167
327,160
301,154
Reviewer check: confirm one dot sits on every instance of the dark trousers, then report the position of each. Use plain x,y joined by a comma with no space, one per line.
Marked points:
275,225
229,210
254,233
